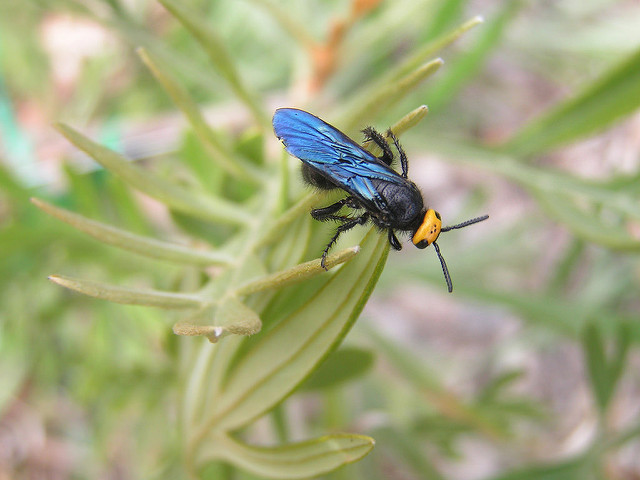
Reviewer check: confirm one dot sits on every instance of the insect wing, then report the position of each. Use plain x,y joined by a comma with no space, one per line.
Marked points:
328,150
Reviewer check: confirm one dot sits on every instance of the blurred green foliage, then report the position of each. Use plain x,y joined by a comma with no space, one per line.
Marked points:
115,384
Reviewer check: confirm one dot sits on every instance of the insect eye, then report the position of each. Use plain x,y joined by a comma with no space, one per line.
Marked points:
422,244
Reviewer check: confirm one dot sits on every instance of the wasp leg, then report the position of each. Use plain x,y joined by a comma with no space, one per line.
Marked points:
374,136
393,240
403,156
325,213
348,224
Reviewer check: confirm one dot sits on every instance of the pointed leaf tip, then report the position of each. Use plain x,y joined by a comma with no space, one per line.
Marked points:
129,296
299,460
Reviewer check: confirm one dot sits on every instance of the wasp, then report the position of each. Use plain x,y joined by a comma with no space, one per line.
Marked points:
384,197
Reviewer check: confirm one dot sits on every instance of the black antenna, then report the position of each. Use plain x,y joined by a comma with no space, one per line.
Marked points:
445,270
465,224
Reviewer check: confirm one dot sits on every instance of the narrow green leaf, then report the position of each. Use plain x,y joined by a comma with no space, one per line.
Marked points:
388,94
550,311
588,226
614,95
619,439
572,255
205,208
493,389
309,201
404,361
292,248
431,388
210,139
146,246
288,24
197,159
620,353
341,366
468,64
10,185
292,461
445,13
130,296
84,186
410,120
285,355
397,90
593,346
14,365
218,54
410,451
296,274
575,469
431,48
373,89
619,196
605,373
127,209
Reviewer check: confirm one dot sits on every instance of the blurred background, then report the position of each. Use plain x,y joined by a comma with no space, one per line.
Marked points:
529,370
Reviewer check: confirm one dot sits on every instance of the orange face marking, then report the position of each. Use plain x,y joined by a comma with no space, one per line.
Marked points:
428,232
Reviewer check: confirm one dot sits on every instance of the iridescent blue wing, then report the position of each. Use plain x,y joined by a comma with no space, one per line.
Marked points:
334,155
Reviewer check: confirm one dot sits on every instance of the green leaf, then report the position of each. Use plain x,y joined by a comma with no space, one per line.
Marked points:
410,451
130,296
283,357
220,57
620,353
302,207
297,273
431,388
408,121
231,317
445,14
388,94
290,25
83,187
590,226
468,64
620,198
377,87
126,207
614,95
593,345
343,365
291,461
291,249
146,246
205,208
604,373
14,365
496,386
215,145
10,186
433,47
196,158
578,469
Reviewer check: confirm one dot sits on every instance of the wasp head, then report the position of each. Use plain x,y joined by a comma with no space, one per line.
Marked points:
429,230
